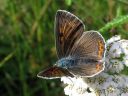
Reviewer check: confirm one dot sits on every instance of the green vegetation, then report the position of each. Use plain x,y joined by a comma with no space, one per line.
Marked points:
27,39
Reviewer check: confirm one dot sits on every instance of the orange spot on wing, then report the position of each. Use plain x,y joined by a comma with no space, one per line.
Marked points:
100,49
98,67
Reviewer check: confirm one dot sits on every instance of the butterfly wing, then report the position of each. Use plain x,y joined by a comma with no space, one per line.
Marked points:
87,70
54,72
91,45
68,29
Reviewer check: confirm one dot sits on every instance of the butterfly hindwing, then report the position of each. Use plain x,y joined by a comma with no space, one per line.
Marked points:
68,29
54,72
87,70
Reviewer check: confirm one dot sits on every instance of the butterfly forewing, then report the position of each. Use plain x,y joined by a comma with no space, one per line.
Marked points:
54,72
68,29
90,45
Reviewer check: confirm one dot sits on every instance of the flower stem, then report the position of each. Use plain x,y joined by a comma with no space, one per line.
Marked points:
114,23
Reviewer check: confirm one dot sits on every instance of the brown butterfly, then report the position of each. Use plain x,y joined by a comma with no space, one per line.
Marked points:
81,54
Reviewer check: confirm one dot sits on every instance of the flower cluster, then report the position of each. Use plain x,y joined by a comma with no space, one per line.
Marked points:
116,55
112,81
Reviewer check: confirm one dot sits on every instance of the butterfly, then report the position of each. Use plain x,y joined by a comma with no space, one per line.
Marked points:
81,54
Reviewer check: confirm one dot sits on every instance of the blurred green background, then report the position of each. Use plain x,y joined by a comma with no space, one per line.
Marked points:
27,39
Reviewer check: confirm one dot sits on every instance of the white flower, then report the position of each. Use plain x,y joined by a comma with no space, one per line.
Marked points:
124,94
97,80
119,80
116,55
113,39
125,60
67,80
124,44
115,66
110,89
68,90
76,87
101,85
115,50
